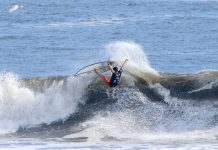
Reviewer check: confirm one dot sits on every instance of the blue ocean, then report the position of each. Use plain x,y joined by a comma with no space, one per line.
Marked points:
167,97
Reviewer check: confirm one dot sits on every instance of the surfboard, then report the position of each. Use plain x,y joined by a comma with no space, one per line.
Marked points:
102,66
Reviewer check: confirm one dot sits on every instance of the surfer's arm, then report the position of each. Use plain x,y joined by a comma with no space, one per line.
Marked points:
110,67
124,63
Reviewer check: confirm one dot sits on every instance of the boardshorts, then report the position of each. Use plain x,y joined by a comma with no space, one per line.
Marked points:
106,80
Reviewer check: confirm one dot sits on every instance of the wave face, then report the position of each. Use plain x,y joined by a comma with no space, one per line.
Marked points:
147,105
73,105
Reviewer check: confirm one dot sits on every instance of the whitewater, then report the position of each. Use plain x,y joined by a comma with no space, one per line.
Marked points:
167,97
146,106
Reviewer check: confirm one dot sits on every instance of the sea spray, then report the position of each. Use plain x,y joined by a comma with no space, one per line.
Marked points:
22,106
181,120
120,50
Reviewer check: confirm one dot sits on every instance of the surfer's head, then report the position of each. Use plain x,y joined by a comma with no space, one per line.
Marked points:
115,69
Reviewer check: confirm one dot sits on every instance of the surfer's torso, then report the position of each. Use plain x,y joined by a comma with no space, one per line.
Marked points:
115,78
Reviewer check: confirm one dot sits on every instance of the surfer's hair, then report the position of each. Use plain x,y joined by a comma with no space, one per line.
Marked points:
115,69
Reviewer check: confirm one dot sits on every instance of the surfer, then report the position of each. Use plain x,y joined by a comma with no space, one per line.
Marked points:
116,74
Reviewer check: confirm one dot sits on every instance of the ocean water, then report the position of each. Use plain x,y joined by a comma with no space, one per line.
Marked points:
168,94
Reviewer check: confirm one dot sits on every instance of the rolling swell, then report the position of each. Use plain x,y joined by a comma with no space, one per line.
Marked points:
97,97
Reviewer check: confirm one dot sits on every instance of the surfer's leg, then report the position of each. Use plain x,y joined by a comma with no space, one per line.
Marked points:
106,80
98,73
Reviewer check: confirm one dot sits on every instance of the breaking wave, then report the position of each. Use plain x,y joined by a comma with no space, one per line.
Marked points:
147,104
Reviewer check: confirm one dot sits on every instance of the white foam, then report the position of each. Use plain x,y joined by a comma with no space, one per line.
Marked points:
124,126
20,106
14,8
206,87
120,50
179,120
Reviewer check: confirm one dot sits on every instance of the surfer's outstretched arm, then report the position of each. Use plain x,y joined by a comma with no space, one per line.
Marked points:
110,67
124,63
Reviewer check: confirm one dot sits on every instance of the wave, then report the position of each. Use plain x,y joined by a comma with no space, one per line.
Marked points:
147,104
89,22
67,100
117,20
35,101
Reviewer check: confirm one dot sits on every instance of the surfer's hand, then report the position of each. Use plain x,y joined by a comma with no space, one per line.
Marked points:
108,62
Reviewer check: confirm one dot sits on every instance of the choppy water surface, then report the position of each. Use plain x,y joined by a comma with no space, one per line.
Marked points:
167,97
